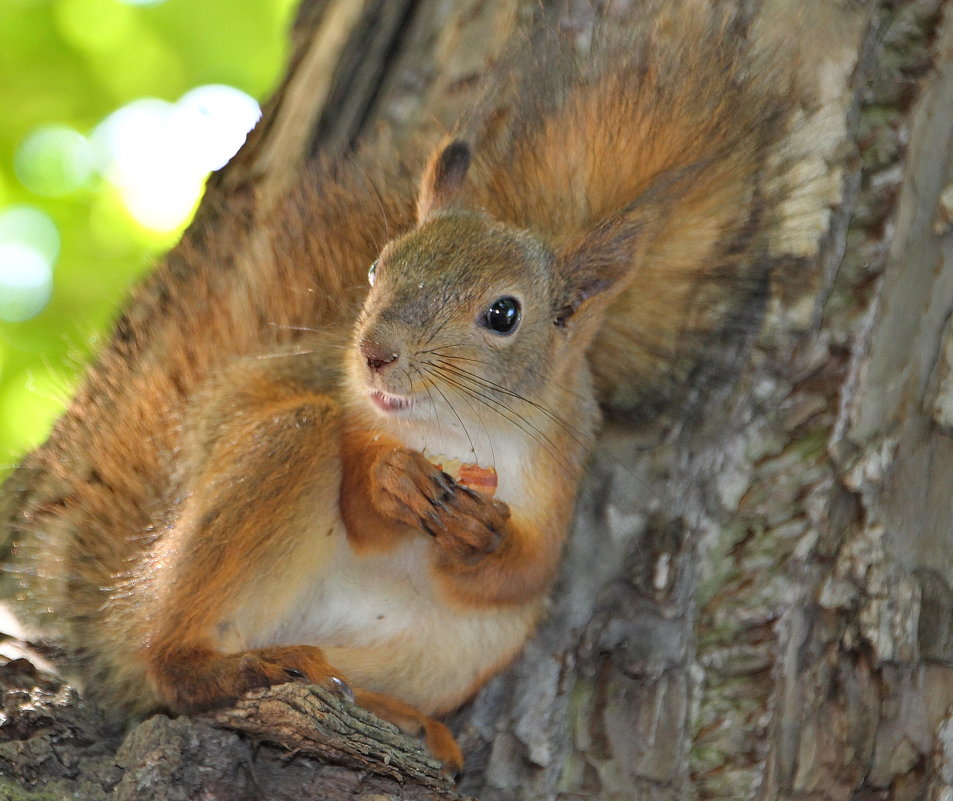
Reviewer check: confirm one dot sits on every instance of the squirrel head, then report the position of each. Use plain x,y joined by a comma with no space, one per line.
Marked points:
474,314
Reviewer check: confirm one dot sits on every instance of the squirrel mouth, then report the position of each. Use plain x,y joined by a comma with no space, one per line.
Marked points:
389,403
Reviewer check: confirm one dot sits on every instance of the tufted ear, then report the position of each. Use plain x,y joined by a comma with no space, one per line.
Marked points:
443,177
597,267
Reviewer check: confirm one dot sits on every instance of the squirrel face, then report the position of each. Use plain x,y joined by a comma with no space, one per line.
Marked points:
470,320
459,318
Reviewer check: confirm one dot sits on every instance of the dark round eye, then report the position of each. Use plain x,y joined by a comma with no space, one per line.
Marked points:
372,273
503,316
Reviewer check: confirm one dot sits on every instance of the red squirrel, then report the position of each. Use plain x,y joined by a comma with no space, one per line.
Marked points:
228,505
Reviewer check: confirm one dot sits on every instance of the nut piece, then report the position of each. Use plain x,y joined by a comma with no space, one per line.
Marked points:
469,474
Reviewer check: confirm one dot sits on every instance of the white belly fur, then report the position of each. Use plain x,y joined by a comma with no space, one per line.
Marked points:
379,618
381,623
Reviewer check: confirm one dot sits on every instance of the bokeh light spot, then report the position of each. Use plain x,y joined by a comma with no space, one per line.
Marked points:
29,245
158,154
54,160
26,282
26,225
213,122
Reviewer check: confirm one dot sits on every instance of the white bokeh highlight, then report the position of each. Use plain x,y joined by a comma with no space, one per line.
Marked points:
158,154
29,246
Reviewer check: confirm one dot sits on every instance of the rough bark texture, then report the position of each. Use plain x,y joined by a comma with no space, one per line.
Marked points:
755,603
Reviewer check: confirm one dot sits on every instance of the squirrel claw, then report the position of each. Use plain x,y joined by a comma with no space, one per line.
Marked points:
467,524
432,523
469,491
441,502
445,481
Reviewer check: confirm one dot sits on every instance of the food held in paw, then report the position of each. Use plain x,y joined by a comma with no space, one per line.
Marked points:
468,474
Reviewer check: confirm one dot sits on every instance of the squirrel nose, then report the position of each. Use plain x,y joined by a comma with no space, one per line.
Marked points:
377,357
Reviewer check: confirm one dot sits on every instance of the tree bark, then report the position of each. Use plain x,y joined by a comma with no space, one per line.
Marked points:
755,603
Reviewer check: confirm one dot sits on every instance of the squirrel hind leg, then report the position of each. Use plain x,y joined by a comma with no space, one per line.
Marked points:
440,742
194,679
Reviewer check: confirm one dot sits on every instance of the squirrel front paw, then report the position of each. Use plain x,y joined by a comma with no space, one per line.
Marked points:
466,525
196,679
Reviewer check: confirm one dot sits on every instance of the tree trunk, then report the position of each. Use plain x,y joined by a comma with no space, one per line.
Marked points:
754,603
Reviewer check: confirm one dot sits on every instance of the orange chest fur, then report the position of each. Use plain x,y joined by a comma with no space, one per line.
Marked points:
367,530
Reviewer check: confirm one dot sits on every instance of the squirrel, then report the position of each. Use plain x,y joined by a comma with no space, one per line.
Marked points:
293,478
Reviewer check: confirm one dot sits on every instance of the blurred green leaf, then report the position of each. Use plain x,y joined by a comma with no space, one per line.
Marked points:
67,65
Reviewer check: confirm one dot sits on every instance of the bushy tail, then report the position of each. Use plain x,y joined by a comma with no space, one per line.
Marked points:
81,510
678,116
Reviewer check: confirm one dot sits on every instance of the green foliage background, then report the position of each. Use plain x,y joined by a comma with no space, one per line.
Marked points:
73,62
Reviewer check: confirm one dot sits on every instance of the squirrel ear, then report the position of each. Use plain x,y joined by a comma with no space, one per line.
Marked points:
599,266
443,178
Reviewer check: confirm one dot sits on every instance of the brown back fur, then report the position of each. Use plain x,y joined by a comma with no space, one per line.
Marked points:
87,505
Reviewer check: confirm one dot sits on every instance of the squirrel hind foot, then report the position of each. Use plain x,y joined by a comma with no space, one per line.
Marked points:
438,738
190,680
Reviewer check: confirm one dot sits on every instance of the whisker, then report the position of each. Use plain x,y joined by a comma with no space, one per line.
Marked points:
581,439
457,415
435,352
377,195
579,436
486,431
427,384
509,414
457,358
286,327
286,355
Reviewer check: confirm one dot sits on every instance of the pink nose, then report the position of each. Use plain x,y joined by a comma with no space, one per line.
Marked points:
377,357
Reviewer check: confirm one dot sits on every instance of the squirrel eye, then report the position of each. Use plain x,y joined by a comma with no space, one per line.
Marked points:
372,273
503,316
